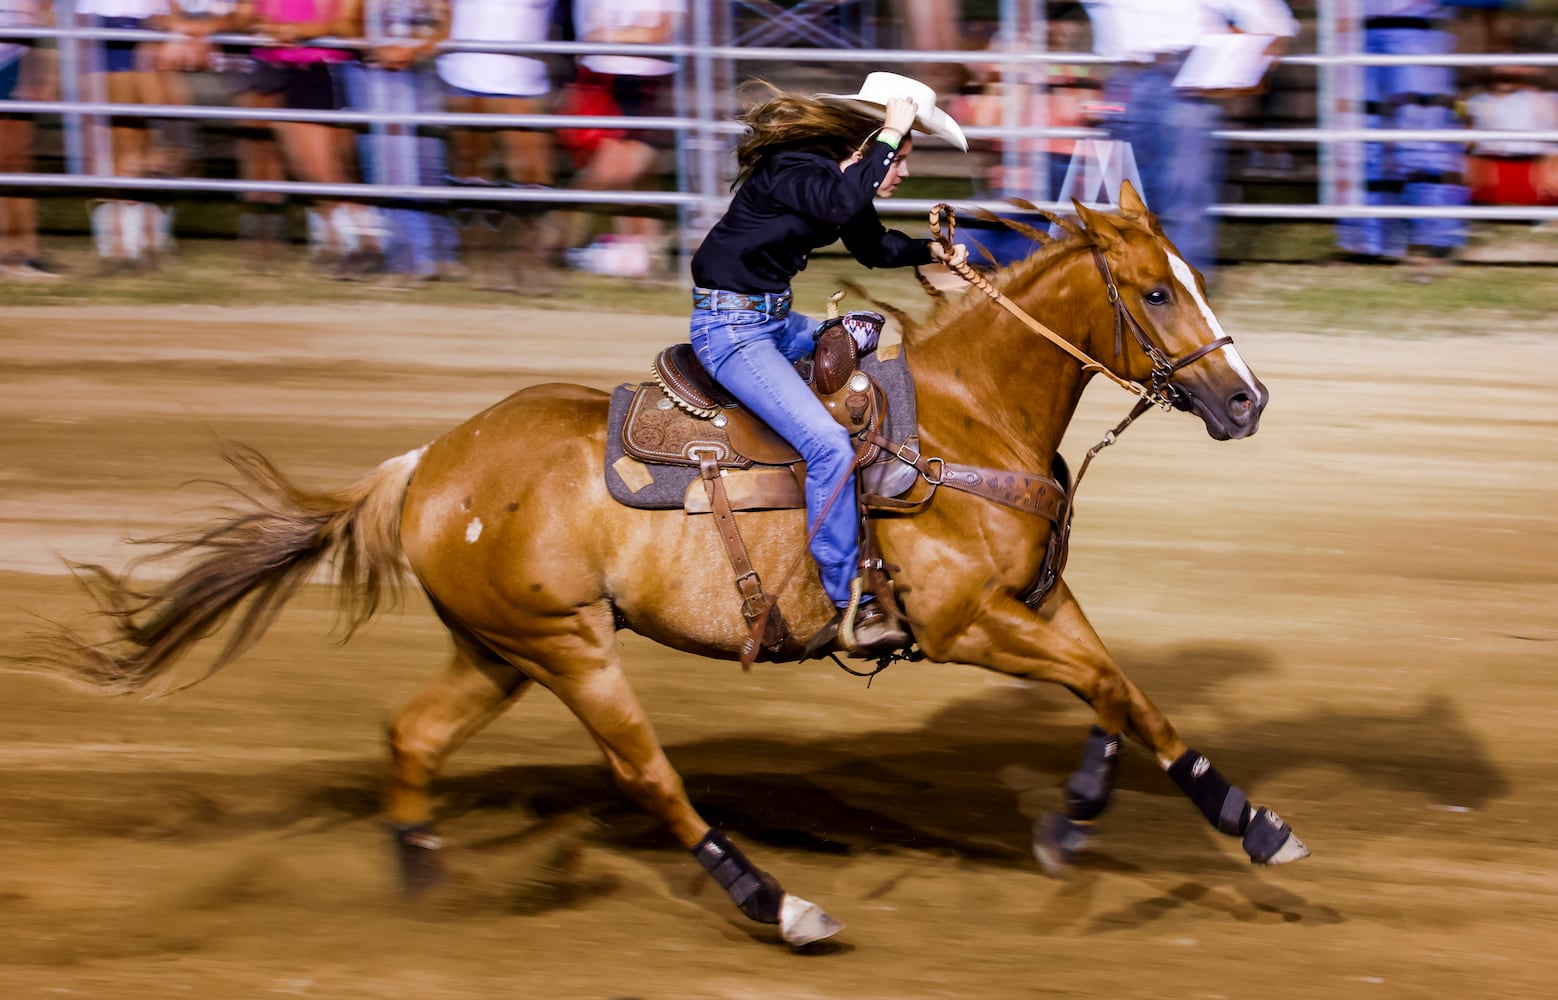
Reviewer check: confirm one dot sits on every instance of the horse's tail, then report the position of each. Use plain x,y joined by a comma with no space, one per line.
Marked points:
254,557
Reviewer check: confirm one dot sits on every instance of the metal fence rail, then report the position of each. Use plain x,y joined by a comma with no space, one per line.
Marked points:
703,133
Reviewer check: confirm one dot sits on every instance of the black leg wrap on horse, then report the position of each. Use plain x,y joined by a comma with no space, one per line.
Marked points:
417,849
1265,836
753,890
1090,786
1223,805
1056,840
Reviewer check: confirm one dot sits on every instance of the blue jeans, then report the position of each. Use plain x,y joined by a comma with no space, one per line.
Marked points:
1180,161
420,238
1408,173
750,354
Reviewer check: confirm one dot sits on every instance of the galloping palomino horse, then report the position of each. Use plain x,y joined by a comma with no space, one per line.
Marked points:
507,525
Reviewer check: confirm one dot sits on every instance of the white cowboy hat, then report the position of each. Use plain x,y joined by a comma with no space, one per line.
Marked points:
879,88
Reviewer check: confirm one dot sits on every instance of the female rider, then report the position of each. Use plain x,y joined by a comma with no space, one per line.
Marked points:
809,168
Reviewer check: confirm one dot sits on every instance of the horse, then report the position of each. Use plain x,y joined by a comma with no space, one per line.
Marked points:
506,524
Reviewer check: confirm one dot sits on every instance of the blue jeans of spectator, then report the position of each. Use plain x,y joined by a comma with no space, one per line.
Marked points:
1408,173
1180,161
420,238
750,354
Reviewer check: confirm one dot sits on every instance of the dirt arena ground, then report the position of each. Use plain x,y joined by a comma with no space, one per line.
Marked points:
1353,613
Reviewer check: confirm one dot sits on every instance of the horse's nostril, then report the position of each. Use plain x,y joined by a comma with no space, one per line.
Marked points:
1241,407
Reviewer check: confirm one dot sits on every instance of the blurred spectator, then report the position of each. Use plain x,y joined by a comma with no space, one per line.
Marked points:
1514,171
261,223
307,78
933,26
1170,127
129,232
1408,97
1052,94
618,160
19,80
397,75
500,244
196,20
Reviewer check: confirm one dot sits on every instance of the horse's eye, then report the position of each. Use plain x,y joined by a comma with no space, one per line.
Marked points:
1157,297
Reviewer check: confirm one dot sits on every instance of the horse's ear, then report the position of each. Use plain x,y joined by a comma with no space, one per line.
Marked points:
1100,225
1131,205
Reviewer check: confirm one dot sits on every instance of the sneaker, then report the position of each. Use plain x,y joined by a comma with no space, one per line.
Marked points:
356,265
402,281
28,270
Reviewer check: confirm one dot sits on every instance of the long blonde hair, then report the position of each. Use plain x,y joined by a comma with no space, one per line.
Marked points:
788,122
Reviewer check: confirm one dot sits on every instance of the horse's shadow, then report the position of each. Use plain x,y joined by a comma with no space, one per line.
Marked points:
959,785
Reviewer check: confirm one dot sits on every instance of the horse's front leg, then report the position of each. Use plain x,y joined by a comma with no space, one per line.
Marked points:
1057,643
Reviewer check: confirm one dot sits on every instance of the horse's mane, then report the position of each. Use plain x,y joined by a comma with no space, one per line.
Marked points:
948,311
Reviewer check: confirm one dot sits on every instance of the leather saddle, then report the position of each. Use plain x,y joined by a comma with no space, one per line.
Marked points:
684,416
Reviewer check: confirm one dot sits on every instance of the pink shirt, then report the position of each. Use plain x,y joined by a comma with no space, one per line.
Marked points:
299,12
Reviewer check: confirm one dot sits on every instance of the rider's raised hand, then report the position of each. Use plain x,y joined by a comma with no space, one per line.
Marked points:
900,115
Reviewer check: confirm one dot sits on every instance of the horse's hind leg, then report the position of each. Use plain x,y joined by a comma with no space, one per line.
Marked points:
585,672
474,689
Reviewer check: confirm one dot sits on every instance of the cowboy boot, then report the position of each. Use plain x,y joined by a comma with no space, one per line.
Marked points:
875,632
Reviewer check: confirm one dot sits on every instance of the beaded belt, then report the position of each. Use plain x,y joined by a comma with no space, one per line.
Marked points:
774,304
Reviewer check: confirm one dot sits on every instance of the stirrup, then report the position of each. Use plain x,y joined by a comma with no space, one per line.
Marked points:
875,633
840,635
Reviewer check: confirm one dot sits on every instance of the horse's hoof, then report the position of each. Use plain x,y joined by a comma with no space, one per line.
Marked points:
1269,841
1056,840
417,849
803,922
1292,849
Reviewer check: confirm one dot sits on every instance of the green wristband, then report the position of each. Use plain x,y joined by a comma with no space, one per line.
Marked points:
897,137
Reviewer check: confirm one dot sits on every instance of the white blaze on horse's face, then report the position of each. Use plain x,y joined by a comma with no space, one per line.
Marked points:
1187,278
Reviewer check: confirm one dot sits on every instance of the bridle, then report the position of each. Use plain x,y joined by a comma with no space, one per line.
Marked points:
1160,383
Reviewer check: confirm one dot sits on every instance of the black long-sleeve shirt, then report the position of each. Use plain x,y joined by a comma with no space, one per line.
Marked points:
795,203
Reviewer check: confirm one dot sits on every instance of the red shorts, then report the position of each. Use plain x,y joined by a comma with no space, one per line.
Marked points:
1520,180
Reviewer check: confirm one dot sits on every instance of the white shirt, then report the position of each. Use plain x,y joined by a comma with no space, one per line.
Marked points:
1517,110
205,8
595,19
123,8
1138,30
498,21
